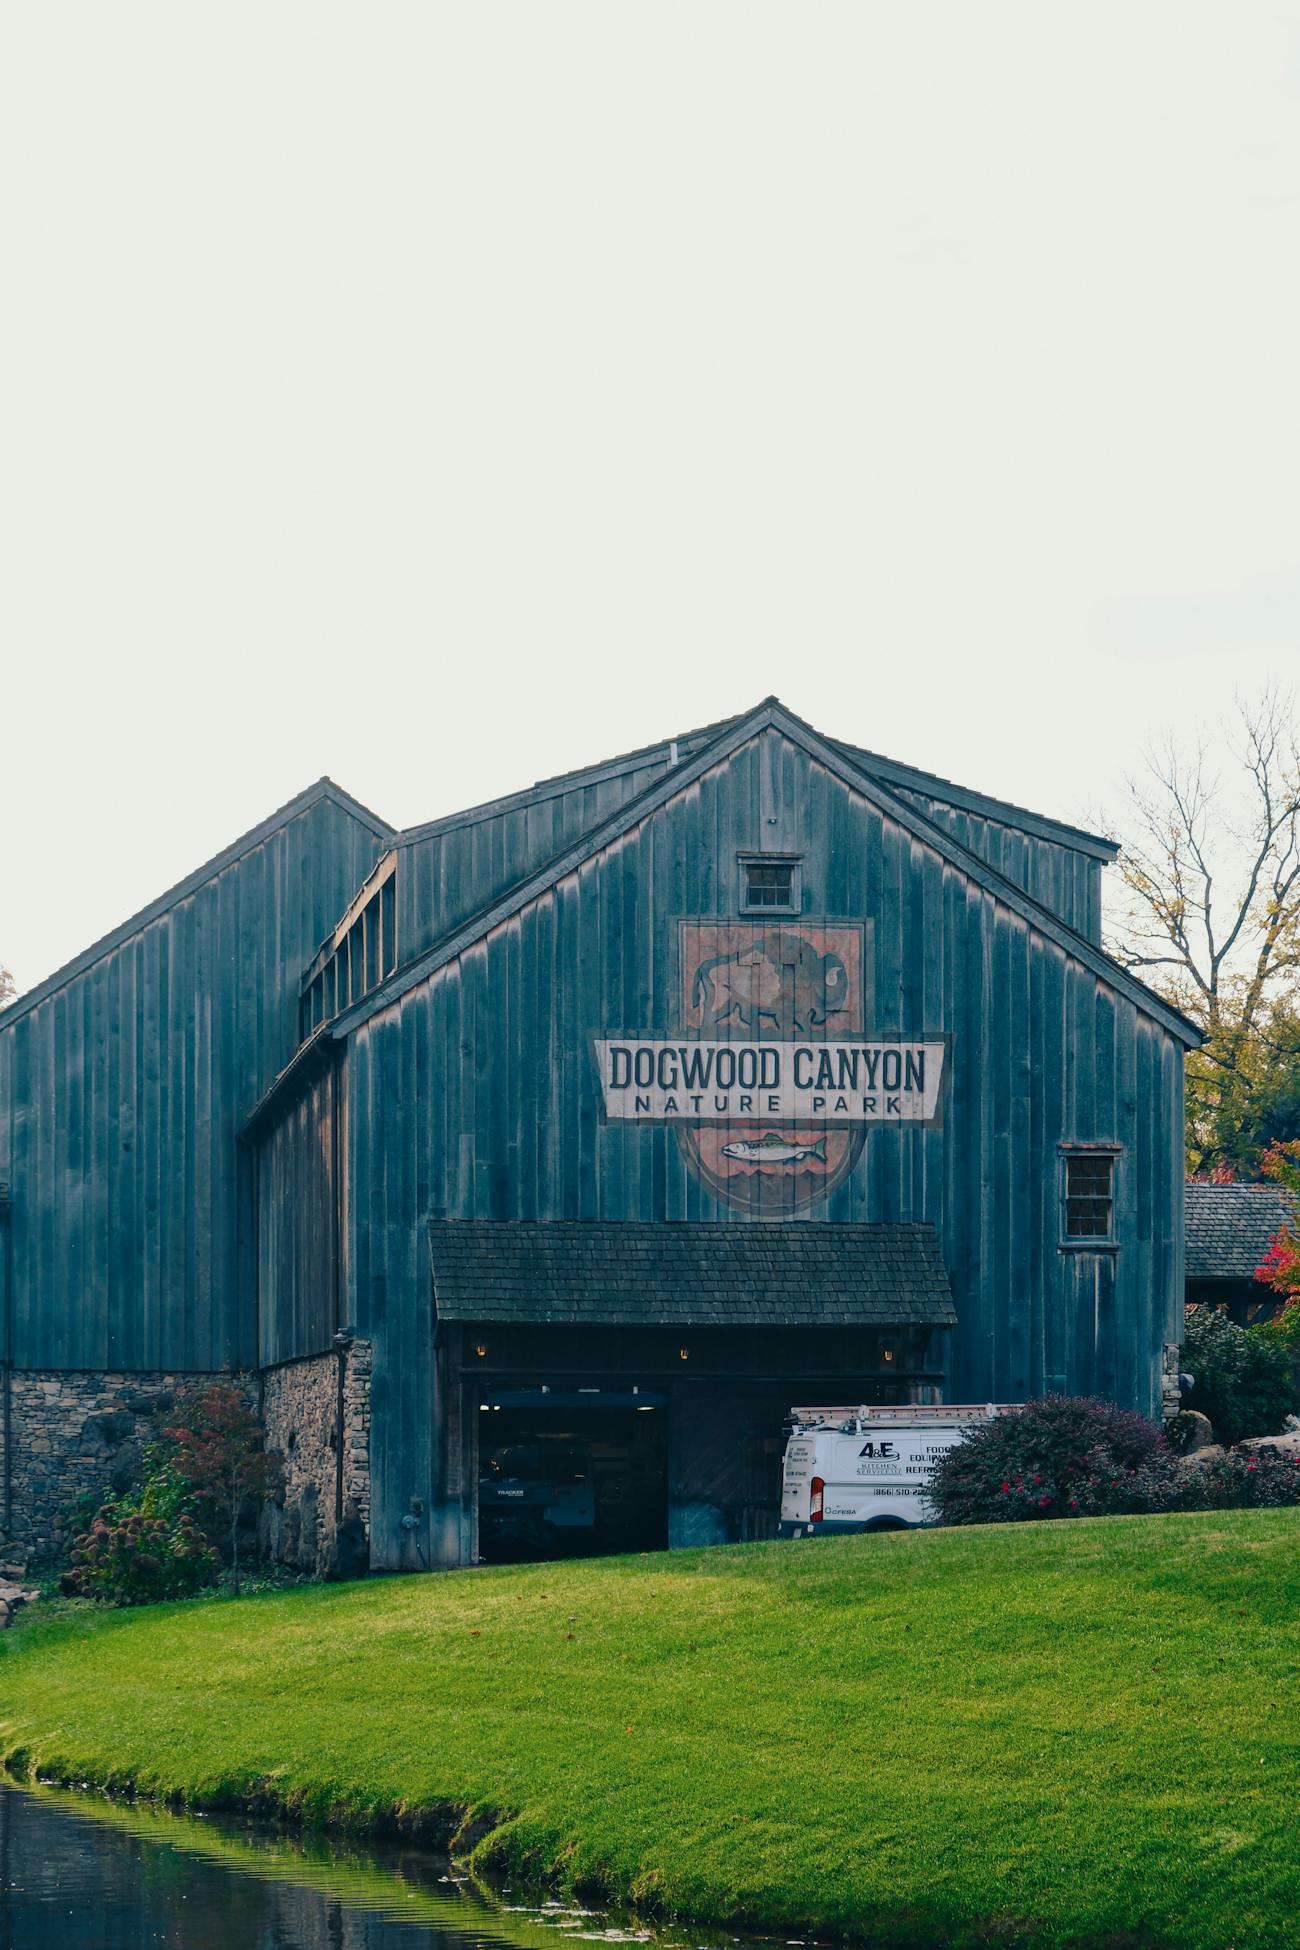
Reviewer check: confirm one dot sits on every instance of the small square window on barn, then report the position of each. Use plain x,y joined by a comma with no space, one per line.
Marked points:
1089,1198
768,885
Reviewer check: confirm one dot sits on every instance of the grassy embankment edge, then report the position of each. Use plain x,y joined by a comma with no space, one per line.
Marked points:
916,1739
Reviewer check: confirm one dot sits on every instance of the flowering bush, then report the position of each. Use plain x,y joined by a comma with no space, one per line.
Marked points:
144,1546
1075,1457
1244,1479
221,1458
1242,1376
1280,1268
1061,1456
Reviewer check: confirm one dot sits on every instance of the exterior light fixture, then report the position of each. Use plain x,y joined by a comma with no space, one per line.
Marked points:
480,1350
683,1354
887,1350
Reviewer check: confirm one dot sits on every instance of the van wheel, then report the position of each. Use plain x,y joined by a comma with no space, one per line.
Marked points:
887,1523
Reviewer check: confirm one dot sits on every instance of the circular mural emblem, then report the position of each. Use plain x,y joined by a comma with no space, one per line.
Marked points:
770,1168
752,984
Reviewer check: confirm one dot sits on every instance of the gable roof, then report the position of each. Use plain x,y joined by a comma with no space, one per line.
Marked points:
771,713
1229,1228
910,778
323,788
667,751
672,751
689,1273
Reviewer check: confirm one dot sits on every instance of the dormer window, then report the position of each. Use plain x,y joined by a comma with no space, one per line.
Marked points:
769,883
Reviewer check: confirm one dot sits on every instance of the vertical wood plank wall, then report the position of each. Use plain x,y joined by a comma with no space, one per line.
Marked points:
1064,880
475,1095
121,1097
455,868
299,1217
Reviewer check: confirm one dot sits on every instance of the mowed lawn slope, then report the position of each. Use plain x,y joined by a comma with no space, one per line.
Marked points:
1059,1733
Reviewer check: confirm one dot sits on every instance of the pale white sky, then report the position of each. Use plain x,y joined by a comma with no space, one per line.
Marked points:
442,397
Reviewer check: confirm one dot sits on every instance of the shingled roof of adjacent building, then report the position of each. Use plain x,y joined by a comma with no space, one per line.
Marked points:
1229,1228
683,1273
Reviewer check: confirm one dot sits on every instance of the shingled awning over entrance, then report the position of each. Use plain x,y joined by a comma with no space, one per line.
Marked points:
679,1274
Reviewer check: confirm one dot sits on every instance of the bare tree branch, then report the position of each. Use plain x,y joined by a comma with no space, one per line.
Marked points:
1211,871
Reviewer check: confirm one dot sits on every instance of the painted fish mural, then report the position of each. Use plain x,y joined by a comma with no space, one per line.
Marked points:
772,1149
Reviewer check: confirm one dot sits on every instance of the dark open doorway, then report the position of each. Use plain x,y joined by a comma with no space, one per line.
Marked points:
560,1478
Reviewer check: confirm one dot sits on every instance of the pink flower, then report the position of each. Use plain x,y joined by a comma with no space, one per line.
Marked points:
1006,1486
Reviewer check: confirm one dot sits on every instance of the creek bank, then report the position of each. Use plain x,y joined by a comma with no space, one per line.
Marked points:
885,1736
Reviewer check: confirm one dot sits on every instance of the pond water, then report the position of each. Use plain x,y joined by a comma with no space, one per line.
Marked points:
79,1872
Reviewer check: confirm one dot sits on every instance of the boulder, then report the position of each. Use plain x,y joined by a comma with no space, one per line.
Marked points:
1212,1452
1191,1431
6,1616
1281,1445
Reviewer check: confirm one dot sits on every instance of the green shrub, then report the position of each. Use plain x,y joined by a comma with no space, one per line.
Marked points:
1244,1479
224,1465
1242,1376
1060,1456
143,1546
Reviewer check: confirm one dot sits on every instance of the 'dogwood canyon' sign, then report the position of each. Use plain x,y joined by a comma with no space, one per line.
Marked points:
771,1083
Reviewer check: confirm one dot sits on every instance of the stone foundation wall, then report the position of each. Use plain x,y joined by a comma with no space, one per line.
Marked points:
1171,1394
77,1433
300,1412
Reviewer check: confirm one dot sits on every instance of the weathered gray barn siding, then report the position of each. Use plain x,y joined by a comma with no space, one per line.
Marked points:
474,1095
453,868
123,1085
1065,880
299,1193
456,867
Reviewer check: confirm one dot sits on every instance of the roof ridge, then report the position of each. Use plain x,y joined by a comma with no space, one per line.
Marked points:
770,713
955,792
551,787
1237,1185
311,795
951,791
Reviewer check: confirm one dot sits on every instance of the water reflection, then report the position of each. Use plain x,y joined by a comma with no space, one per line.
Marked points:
78,1872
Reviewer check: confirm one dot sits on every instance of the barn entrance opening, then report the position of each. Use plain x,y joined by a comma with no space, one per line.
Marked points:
562,1477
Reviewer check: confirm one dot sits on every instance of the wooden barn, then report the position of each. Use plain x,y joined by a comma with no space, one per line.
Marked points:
535,1161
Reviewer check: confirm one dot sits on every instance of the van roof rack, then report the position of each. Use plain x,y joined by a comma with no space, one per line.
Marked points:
844,1417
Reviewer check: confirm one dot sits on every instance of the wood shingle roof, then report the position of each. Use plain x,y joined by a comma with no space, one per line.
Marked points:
689,1274
1229,1228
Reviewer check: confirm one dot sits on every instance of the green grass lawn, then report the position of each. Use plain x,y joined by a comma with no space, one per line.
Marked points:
1082,1733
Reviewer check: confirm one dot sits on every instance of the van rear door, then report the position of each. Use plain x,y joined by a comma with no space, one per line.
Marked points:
796,1478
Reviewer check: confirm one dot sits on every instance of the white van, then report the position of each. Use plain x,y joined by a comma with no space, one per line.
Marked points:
852,1469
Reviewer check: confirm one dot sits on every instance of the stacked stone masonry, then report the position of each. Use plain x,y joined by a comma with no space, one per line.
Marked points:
301,1413
77,1434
